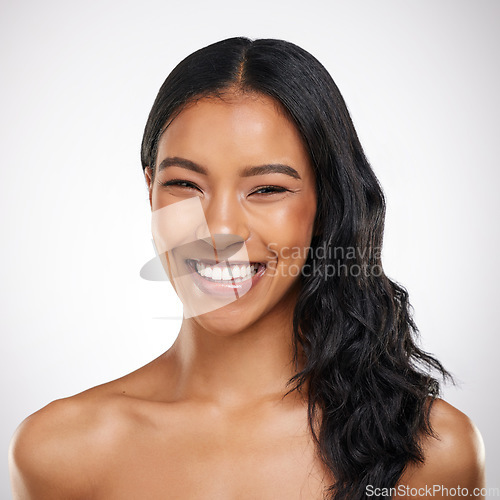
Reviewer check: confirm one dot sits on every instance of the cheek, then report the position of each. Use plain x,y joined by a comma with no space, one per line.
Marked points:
291,231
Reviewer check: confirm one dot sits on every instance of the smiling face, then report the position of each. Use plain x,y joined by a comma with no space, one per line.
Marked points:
246,165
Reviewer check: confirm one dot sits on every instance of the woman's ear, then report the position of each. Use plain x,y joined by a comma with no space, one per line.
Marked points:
148,173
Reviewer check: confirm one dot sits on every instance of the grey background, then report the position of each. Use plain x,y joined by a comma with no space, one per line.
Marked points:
421,80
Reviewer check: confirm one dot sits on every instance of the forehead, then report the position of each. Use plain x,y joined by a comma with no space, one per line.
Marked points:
242,129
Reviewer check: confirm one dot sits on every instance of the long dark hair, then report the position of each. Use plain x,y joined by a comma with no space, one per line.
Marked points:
369,384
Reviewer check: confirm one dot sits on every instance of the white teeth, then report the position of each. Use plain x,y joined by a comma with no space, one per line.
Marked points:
216,273
222,272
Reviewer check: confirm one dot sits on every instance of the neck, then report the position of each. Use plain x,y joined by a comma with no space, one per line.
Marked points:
251,365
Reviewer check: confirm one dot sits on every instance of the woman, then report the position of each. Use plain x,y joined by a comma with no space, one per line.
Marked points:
295,373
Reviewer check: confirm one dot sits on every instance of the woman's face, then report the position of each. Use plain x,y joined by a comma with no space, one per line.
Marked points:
244,175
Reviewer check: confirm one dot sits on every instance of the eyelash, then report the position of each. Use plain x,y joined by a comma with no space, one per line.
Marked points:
189,185
180,183
273,190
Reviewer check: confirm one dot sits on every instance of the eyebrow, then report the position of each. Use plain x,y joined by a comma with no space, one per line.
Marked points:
272,168
172,161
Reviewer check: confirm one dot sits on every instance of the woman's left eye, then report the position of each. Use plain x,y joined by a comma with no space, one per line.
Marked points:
269,190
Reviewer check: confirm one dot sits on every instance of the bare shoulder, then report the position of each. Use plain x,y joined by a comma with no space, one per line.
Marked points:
41,452
454,457
65,449
456,434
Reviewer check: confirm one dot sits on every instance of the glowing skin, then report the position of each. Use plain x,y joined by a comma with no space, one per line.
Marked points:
227,138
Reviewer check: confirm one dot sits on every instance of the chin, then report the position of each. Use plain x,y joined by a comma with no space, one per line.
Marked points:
243,315
223,323
226,321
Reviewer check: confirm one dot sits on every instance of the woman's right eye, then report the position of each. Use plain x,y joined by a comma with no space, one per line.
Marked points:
181,184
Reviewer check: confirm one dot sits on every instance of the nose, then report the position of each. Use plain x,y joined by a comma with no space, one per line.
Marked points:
226,220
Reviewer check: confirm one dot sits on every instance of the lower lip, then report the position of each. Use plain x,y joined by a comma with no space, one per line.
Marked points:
229,289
